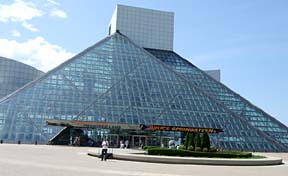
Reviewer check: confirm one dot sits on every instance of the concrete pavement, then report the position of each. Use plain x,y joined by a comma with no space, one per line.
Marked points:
43,160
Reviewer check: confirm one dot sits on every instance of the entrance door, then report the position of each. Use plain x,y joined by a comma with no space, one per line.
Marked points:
126,139
165,141
139,141
113,140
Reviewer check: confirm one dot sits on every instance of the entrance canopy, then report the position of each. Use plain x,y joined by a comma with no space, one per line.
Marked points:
90,124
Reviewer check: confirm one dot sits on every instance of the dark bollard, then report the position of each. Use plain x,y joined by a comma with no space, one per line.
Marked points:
19,142
35,142
1,141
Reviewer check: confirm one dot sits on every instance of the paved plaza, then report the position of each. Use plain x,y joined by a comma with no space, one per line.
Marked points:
44,160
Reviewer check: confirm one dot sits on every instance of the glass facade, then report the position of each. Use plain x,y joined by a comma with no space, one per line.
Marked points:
14,75
117,81
233,101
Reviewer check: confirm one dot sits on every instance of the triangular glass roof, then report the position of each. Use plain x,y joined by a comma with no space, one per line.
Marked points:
117,81
233,101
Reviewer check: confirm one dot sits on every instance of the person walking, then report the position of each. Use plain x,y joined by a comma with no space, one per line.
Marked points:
104,145
121,144
126,144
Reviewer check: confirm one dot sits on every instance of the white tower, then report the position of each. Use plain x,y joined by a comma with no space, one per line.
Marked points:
147,28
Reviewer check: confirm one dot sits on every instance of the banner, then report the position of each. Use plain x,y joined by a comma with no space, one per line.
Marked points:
180,129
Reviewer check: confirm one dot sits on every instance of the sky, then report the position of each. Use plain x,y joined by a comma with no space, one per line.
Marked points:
247,40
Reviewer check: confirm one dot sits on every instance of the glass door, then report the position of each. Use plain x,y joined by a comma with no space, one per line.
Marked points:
139,141
126,140
165,141
113,140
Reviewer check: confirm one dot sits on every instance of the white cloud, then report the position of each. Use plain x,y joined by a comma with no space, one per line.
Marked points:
36,52
53,2
19,11
58,13
30,27
15,33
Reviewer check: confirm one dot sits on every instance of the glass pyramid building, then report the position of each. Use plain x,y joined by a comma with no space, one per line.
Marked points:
233,101
119,82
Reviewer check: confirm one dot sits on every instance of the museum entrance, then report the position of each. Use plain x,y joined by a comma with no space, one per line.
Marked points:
132,141
165,141
139,141
131,135
113,140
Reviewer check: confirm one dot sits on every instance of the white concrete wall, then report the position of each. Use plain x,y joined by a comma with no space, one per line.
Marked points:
216,74
113,23
147,28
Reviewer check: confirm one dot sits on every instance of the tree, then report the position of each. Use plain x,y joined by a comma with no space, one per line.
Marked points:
205,143
191,140
186,141
197,140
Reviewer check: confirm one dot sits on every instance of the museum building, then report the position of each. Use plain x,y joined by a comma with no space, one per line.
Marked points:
132,86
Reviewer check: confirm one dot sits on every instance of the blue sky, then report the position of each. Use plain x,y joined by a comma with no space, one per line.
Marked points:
247,40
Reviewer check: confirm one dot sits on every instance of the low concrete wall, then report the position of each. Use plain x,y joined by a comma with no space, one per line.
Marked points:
192,160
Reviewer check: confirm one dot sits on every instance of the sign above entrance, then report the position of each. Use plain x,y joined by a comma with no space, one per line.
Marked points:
180,129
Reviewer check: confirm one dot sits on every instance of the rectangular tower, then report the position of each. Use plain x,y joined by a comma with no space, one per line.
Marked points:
147,28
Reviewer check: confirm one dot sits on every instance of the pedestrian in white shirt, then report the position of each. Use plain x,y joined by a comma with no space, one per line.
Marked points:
104,145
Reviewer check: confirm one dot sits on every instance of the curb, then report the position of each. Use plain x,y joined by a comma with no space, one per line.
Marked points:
196,161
